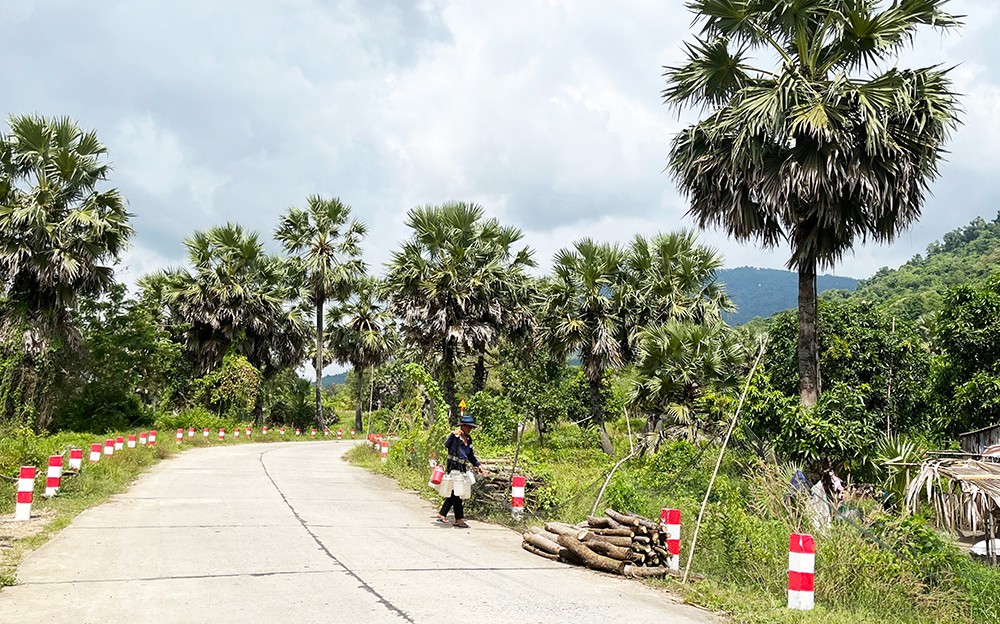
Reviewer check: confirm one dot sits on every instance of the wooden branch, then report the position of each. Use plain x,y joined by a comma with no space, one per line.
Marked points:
537,551
623,532
561,529
610,550
621,519
587,536
542,543
591,559
599,522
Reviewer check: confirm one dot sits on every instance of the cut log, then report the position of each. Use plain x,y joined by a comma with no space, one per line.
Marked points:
599,522
561,529
621,519
622,532
537,551
610,550
661,551
591,559
543,543
640,539
646,522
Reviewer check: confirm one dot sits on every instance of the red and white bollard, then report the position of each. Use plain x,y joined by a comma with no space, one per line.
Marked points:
314,432
222,433
190,432
352,432
54,476
248,431
282,431
517,496
25,493
205,432
385,451
264,430
298,431
671,521
151,438
142,438
180,435
236,432
76,459
95,453
109,447
801,571
326,431
119,443
340,435
131,440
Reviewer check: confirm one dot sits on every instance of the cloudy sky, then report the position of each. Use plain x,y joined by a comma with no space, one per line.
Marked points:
546,112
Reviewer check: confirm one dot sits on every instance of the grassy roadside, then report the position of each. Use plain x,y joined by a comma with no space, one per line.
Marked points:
93,485
882,569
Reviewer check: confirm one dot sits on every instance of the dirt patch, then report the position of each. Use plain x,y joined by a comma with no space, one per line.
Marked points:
11,530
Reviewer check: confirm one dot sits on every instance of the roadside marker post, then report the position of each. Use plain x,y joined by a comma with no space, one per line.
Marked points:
248,431
222,433
326,431
385,451
264,430
152,438
25,493
801,571
671,520
314,432
205,432
142,438
75,459
131,440
298,431
517,496
109,447
53,478
190,432
119,443
236,432
340,435
95,453
180,435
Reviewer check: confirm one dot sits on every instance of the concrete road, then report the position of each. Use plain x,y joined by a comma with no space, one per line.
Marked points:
291,533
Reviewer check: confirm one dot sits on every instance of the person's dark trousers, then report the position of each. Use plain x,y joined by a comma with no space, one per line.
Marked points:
456,502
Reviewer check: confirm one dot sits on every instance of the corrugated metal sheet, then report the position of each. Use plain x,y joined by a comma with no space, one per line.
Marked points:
978,441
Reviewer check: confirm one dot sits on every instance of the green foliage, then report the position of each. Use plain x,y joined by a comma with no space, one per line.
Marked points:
497,418
100,408
232,389
197,417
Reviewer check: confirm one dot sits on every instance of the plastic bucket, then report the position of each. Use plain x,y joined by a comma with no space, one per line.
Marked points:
461,484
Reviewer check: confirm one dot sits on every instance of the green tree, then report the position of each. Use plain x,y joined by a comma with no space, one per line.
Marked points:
582,313
360,332
810,152
327,245
59,237
455,284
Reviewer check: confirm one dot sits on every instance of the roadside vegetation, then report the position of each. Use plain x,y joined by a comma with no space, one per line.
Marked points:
617,354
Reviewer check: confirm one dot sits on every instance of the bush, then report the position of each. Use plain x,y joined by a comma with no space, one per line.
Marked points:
496,417
197,417
100,408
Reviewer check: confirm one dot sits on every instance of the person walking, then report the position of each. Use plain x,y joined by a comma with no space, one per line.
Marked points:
462,458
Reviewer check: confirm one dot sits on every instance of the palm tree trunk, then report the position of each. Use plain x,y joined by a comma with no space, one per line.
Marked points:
319,363
597,415
808,353
360,388
479,375
448,382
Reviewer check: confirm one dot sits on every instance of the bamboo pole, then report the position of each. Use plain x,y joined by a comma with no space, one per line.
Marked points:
725,443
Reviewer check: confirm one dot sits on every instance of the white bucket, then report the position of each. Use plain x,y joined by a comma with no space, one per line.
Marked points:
444,488
461,483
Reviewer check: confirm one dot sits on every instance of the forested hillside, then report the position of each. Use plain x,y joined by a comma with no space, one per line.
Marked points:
967,255
764,292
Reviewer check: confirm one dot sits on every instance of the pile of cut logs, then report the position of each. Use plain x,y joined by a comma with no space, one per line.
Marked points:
620,543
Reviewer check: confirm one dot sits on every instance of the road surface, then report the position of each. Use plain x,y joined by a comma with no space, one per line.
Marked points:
292,533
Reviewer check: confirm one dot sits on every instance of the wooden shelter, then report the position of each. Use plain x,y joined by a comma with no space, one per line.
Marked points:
965,494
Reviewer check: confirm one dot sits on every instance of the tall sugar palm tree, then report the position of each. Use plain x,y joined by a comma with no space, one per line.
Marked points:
360,332
59,235
830,146
672,277
582,312
327,244
456,284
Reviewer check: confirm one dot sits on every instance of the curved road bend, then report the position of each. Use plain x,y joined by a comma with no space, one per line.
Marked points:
291,533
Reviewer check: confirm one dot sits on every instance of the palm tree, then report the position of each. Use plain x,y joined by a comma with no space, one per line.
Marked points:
582,312
59,238
677,361
360,333
456,284
59,235
810,152
327,244
672,277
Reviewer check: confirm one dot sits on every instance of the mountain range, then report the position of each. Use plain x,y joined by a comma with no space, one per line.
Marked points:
763,292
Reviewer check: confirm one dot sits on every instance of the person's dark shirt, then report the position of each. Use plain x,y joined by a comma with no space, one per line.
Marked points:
460,454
